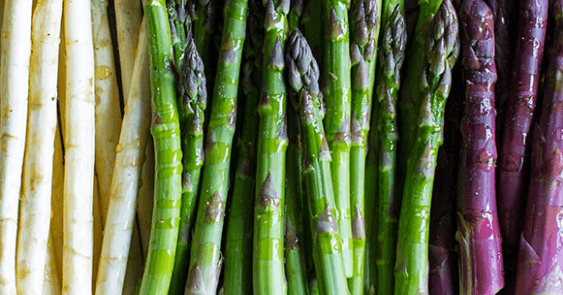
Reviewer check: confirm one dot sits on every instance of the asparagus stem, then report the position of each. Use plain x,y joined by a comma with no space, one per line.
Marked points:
192,100
205,259
240,219
327,251
391,58
411,266
540,260
205,14
364,24
165,130
268,270
337,122
412,92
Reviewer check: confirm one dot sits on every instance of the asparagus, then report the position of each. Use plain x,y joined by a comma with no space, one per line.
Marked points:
412,90
303,74
514,161
192,99
268,270
313,28
295,249
205,259
391,58
364,24
540,258
336,52
481,267
238,249
204,28
411,267
165,130
442,246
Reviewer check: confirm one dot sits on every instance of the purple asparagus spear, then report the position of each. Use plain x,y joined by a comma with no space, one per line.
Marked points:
541,243
514,161
481,265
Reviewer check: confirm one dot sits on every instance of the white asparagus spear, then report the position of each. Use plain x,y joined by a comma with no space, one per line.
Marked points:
51,281
79,141
125,182
14,78
35,207
108,111
128,16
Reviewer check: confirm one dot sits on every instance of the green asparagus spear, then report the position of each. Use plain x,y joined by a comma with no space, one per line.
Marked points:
337,122
205,259
204,27
303,74
268,270
411,267
391,60
238,249
412,92
166,133
295,251
313,28
364,25
192,102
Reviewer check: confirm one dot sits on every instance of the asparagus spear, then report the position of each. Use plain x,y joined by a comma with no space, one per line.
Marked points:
14,77
514,161
204,28
192,99
391,58
268,270
336,52
313,28
295,249
303,74
411,267
481,267
165,130
364,24
205,260
412,90
238,250
540,259
442,246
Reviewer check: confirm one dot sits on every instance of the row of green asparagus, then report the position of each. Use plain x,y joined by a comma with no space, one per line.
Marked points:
304,136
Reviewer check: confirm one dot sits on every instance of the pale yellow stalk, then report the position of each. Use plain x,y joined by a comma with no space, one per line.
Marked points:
14,78
35,207
79,146
108,111
126,178
128,16
51,281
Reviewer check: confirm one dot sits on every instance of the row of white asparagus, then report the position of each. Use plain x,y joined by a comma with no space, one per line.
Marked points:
73,171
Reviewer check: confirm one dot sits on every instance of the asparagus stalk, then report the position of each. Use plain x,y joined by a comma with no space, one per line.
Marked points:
126,179
165,130
391,58
481,267
192,99
313,28
442,246
35,209
268,269
205,260
238,250
514,161
540,260
205,13
14,77
412,90
364,24
327,249
411,266
79,136
336,52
